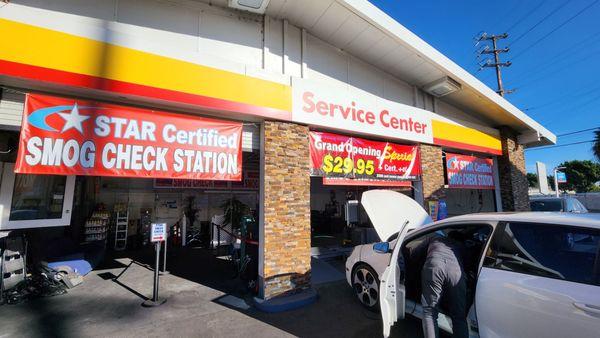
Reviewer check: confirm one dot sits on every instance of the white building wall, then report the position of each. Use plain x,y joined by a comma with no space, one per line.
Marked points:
236,41
325,63
453,113
165,25
293,51
273,45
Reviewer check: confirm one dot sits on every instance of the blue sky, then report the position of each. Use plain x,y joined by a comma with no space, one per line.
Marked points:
557,78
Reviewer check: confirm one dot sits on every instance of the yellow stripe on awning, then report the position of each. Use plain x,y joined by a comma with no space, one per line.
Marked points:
455,133
47,48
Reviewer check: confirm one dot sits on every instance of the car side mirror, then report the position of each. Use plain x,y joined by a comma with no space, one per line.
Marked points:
381,247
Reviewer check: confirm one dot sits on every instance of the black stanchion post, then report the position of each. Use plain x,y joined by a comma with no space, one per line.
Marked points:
156,266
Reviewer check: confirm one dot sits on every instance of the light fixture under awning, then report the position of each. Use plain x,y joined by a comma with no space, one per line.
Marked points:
442,87
255,6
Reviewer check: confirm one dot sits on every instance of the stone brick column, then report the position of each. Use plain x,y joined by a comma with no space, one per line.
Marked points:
511,169
286,191
432,168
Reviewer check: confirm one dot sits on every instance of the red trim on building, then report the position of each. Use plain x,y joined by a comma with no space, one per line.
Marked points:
464,146
29,72
370,183
36,73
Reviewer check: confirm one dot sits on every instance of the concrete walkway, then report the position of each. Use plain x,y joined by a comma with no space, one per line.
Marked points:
196,307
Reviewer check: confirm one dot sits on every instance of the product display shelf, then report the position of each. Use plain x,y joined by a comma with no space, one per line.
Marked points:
96,227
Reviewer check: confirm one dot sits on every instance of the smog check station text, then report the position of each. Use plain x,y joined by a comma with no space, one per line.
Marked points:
92,140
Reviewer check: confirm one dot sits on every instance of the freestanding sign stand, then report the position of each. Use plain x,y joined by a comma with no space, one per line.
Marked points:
157,235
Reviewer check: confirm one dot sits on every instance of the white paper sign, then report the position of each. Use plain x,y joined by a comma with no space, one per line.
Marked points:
158,232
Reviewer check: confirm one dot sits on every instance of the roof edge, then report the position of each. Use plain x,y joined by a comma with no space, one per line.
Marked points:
394,29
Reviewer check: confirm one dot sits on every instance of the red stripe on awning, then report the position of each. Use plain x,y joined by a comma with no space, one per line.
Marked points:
29,72
465,146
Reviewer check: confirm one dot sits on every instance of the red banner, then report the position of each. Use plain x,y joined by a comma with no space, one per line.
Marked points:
335,155
250,181
77,137
469,172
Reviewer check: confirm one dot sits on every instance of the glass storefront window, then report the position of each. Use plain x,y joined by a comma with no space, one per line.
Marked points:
37,197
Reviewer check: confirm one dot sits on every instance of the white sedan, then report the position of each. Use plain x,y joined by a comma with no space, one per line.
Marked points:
530,274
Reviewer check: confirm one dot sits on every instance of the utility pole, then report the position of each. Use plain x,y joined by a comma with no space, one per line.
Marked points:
488,63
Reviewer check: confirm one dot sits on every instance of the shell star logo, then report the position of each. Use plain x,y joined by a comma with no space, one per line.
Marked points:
72,119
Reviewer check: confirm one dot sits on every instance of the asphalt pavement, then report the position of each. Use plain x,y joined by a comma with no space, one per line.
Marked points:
202,301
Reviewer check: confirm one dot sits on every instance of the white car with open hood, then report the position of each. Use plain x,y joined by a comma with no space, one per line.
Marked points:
528,274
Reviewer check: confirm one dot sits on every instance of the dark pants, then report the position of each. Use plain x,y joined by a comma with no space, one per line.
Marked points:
441,276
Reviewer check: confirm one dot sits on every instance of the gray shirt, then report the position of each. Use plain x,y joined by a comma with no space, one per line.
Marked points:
438,246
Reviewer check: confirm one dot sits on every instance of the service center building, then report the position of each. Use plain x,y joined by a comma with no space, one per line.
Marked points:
291,107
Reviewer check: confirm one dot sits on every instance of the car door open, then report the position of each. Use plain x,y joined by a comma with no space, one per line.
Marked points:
393,213
392,294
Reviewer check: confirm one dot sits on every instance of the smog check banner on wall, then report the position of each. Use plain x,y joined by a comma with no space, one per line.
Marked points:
469,172
76,137
338,156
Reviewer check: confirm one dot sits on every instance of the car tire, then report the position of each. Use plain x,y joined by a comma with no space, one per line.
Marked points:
365,284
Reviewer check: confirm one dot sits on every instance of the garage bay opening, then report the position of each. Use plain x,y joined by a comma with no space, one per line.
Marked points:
342,169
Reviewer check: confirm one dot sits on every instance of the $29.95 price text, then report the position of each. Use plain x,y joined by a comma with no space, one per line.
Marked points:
346,165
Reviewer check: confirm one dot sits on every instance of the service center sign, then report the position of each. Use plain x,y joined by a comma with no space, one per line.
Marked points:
333,155
76,137
354,110
469,172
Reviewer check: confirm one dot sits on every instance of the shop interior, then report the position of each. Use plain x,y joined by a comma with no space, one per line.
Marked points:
330,228
338,224
468,201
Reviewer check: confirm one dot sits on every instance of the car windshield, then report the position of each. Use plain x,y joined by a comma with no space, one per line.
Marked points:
546,205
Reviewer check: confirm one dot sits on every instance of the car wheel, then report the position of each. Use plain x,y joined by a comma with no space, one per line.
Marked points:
366,286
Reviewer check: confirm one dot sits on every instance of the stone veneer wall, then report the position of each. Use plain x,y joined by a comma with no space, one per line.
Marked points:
432,175
511,169
286,209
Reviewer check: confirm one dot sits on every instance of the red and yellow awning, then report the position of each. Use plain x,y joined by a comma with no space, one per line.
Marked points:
40,54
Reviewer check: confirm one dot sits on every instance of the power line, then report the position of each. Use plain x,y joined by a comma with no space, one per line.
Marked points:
565,54
499,20
593,99
561,100
577,132
524,16
571,109
555,29
539,22
531,28
559,57
554,72
511,10
561,145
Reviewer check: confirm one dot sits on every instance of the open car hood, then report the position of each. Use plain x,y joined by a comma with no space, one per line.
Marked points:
390,210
